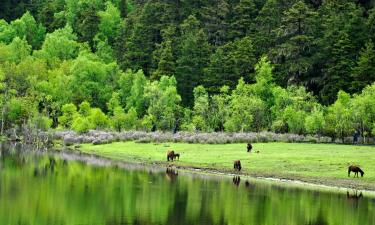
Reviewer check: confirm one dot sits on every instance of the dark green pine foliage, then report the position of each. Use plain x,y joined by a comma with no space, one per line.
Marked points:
192,59
215,19
364,71
268,19
86,22
295,43
337,74
229,63
123,7
243,24
370,23
46,15
337,49
145,34
164,57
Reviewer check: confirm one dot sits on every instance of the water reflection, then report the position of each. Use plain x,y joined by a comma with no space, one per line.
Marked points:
49,190
171,174
236,180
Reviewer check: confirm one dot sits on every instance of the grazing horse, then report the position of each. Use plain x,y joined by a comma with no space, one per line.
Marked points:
355,169
249,147
237,165
176,155
170,155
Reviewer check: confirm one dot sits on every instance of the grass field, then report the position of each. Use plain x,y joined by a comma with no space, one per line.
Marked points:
317,163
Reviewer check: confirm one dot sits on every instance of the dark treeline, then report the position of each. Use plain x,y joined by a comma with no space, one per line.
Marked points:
234,65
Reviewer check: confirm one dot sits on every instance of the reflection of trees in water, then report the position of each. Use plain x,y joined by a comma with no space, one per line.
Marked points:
320,220
89,194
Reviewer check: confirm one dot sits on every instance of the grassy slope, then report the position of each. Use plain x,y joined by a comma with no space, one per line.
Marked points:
318,163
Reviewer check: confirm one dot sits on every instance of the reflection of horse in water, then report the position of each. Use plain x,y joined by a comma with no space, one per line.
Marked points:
248,185
355,196
171,174
236,180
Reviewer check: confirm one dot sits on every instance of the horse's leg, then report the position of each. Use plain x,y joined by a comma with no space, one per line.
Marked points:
348,173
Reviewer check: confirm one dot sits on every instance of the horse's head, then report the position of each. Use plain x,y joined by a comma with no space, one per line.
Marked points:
362,173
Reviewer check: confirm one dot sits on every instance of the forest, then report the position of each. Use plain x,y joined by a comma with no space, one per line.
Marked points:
287,66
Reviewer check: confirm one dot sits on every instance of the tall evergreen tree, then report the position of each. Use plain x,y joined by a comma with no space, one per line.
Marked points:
295,43
215,19
192,59
243,20
364,71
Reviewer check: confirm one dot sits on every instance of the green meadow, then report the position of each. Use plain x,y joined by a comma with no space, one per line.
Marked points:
317,163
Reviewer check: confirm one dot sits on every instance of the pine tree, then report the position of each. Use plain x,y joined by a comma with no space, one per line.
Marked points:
215,19
192,59
164,57
295,43
243,20
229,63
123,7
336,75
268,19
364,72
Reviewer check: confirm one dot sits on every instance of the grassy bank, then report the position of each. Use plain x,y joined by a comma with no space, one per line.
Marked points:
316,163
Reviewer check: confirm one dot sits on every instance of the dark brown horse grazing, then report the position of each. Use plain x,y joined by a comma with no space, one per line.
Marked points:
170,155
249,147
176,155
355,169
237,165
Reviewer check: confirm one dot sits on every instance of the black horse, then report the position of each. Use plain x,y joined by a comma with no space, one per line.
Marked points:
355,169
249,147
237,165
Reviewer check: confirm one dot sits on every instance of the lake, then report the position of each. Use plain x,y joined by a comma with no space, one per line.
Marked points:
46,189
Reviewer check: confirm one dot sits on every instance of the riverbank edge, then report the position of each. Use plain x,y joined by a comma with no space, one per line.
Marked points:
324,183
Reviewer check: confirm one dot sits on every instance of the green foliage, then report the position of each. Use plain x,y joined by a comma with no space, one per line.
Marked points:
59,45
340,115
143,65
315,122
81,124
192,60
69,112
364,71
42,122
97,119
19,110
110,23
118,119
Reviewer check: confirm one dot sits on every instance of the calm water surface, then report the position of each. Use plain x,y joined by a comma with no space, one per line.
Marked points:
48,190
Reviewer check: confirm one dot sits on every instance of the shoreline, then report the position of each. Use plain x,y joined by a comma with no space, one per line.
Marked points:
321,184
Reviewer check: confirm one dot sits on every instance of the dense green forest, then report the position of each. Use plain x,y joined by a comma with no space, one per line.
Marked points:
296,66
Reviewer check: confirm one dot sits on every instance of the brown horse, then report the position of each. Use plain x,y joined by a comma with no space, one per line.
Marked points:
355,169
170,155
237,165
249,147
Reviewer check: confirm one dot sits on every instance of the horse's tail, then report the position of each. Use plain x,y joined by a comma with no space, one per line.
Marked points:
349,171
